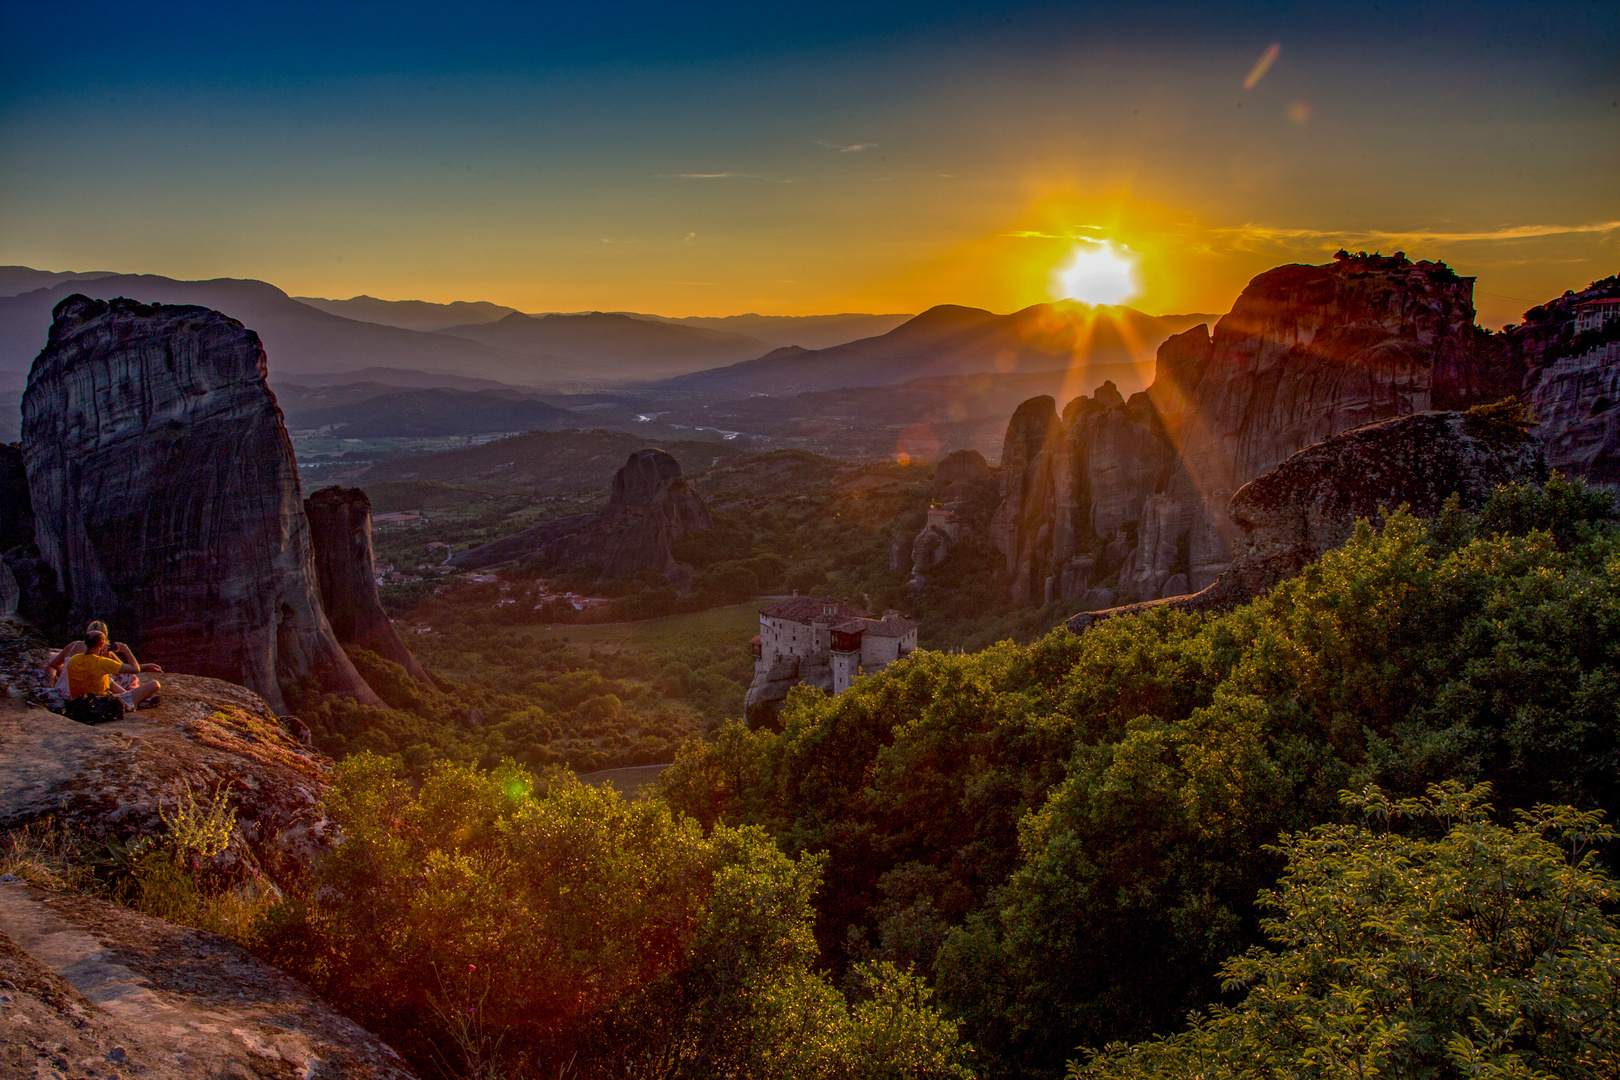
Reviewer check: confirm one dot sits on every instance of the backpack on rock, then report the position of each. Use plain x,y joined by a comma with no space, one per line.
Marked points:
94,709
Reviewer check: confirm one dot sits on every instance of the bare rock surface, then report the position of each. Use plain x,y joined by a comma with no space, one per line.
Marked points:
1021,527
92,989
165,495
112,779
340,531
960,466
1572,382
650,508
1308,505
1127,500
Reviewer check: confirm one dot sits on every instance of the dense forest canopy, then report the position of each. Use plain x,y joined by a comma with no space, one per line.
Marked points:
1068,838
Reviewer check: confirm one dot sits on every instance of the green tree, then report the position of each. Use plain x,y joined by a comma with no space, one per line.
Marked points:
487,917
1488,951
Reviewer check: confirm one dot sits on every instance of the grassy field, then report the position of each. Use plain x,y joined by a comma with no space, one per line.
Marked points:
628,782
737,622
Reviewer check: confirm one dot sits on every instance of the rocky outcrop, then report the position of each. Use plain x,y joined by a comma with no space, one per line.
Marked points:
958,475
650,508
1022,526
111,781
1572,382
964,496
166,499
340,533
1127,500
770,688
90,988
1308,505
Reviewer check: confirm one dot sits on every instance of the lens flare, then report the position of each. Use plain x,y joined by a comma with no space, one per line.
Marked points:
1098,273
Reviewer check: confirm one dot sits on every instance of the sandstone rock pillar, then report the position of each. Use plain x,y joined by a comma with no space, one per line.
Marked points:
340,530
166,498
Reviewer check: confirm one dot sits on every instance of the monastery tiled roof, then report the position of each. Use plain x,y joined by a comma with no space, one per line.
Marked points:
894,627
809,609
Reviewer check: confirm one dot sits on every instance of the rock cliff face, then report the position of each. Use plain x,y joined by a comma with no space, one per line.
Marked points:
650,508
1572,383
166,498
1308,505
1122,501
340,532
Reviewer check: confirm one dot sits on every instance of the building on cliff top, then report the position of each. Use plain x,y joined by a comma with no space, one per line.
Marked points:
826,643
1596,314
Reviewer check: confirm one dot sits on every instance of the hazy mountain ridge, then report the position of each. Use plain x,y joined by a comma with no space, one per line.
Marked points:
410,314
954,340
21,279
805,331
298,339
640,348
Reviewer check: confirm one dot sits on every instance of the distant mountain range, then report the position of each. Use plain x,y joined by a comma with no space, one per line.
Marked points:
410,314
635,347
408,368
952,340
775,331
417,343
297,338
805,331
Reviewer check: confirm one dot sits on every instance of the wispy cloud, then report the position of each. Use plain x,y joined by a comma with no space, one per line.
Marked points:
1036,234
722,176
1436,236
851,148
1262,65
619,239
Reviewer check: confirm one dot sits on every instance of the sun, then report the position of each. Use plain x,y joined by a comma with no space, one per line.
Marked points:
1098,272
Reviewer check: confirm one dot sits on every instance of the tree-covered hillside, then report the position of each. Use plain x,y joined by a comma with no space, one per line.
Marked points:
1068,838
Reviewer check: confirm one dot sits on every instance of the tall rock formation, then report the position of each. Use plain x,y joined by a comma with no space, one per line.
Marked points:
1022,526
1124,501
1294,514
650,508
1571,368
340,532
166,499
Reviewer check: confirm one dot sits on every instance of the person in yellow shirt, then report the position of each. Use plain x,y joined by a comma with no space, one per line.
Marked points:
56,669
89,672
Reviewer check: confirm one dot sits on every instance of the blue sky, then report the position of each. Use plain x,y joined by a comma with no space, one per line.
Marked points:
706,159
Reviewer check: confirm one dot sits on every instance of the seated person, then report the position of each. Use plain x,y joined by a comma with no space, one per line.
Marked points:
90,671
56,669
